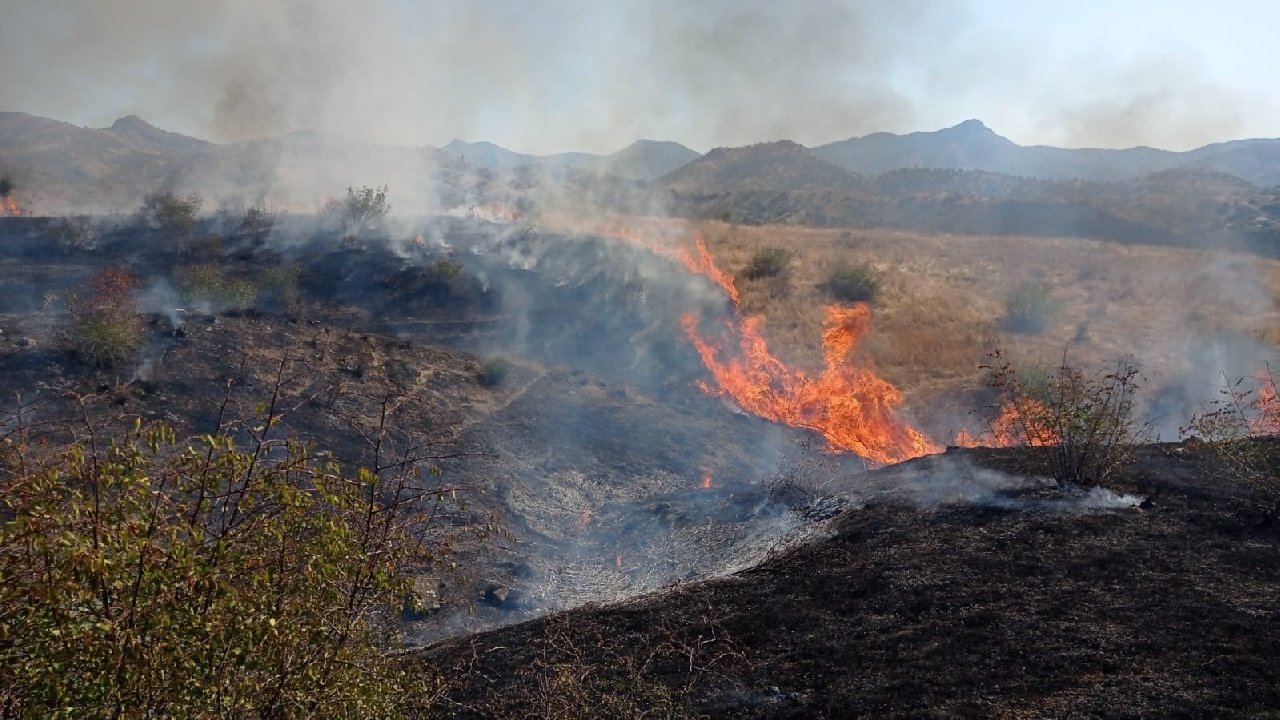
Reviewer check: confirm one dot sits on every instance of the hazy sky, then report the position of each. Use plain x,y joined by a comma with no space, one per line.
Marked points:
552,75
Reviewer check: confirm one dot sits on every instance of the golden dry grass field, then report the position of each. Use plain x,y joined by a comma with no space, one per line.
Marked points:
941,306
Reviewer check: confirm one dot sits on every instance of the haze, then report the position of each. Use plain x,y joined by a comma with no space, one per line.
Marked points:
563,75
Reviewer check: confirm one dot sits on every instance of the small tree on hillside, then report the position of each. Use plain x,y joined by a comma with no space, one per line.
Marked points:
171,213
361,212
6,187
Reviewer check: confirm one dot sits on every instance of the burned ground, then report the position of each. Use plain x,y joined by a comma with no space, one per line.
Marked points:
953,585
953,610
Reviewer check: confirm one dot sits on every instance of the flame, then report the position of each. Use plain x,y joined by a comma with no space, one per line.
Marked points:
1017,423
9,206
851,406
617,558
1267,421
585,521
706,479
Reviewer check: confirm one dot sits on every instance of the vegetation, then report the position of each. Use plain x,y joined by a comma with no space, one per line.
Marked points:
494,371
1248,408
256,223
75,233
1029,308
105,328
363,211
768,262
6,187
1088,422
171,213
854,283
149,577
206,284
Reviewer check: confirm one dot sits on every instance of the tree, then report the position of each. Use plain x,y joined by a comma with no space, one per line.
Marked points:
362,211
6,187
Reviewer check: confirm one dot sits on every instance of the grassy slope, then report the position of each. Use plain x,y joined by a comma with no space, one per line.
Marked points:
942,302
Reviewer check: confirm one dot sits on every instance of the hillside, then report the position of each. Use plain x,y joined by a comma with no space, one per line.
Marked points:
955,600
973,146
781,166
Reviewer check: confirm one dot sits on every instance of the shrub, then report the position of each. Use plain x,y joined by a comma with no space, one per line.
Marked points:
769,262
105,329
75,233
1231,427
1029,308
854,283
494,371
1089,421
281,283
205,284
361,211
171,213
202,580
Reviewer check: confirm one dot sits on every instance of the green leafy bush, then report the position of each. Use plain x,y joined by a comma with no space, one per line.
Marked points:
770,262
854,283
360,212
1029,308
206,284
147,577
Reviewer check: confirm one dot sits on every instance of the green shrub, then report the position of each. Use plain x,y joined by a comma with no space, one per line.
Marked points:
854,283
205,284
360,212
770,262
1029,308
171,213
105,329
494,371
281,283
198,579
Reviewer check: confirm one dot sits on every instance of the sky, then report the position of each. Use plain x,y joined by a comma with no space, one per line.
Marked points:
548,76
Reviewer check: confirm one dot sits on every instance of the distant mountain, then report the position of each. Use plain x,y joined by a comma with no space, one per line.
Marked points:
642,160
775,166
973,146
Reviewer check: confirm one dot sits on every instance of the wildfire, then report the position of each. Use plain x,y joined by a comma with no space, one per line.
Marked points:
1018,423
706,479
1267,421
9,206
851,406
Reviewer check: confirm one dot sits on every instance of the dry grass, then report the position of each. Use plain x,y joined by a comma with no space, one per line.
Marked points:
941,305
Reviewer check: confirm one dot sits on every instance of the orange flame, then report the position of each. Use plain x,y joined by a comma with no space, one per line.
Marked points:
853,408
1018,423
9,206
1267,421
617,558
706,479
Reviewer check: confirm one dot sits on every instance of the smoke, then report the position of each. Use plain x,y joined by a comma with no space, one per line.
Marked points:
581,75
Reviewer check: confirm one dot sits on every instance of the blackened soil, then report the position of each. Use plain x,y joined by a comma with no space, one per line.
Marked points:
958,611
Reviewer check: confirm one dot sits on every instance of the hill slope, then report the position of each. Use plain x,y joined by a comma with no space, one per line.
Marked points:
964,609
